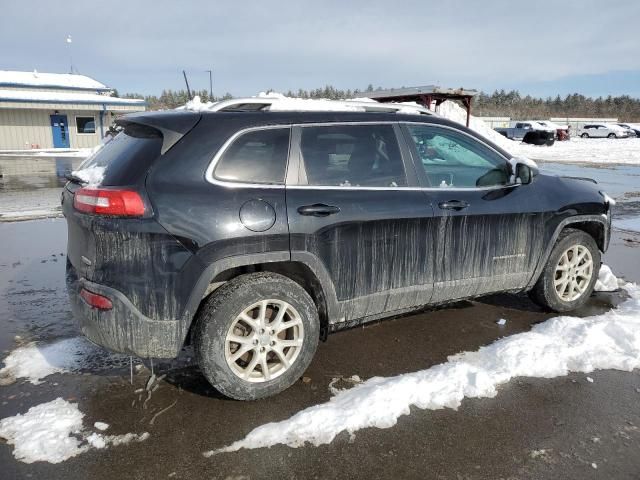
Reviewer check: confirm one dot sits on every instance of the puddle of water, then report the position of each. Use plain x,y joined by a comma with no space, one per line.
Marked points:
619,181
33,298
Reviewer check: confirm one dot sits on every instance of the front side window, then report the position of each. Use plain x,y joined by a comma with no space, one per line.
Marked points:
259,156
453,159
352,156
86,124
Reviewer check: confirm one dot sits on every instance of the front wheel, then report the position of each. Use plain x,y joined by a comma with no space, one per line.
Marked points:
585,135
256,335
611,135
570,274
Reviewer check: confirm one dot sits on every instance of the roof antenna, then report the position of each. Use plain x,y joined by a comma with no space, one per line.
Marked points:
187,82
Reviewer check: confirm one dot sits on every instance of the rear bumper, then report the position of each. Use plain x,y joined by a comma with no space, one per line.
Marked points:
122,329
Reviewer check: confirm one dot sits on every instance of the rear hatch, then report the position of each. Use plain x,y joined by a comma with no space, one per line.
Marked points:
120,165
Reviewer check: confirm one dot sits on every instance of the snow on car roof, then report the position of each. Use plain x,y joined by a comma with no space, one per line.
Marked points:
52,80
275,102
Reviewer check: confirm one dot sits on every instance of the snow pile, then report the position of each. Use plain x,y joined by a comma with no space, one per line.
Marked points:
34,362
607,281
44,433
455,112
554,348
196,105
53,432
92,176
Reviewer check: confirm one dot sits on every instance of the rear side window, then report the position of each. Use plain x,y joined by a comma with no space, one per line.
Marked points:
127,156
259,156
352,156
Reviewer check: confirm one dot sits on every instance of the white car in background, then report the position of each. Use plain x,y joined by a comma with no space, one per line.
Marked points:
603,130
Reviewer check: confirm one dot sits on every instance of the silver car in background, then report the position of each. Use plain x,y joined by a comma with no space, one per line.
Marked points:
603,130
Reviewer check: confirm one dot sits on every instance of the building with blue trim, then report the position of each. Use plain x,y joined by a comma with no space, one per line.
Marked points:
54,110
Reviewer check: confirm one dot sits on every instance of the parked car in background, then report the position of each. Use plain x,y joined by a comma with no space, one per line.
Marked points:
603,130
633,129
562,131
530,131
253,234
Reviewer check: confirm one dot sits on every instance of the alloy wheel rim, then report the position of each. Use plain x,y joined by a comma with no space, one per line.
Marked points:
573,273
264,340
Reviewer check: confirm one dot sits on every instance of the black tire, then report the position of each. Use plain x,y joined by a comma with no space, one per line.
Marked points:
222,308
585,135
544,292
612,135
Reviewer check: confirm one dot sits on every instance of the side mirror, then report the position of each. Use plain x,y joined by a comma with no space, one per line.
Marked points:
524,170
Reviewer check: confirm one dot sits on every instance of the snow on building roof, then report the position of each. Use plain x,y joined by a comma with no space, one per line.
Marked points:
59,97
36,79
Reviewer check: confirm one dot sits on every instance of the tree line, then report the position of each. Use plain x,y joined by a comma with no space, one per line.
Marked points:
500,103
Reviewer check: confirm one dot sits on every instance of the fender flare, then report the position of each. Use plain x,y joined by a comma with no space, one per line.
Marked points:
214,269
604,220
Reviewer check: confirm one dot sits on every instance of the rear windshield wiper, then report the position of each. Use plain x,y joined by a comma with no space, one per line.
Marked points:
74,179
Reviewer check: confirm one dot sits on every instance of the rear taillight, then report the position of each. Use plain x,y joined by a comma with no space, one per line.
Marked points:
102,201
96,301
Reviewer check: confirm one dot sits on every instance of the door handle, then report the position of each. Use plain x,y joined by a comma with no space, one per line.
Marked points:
453,205
318,210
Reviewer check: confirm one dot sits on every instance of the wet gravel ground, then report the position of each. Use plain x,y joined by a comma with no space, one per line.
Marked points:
534,428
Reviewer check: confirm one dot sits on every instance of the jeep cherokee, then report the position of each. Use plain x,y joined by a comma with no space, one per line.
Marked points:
253,234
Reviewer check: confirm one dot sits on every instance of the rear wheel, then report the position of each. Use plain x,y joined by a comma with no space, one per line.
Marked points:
256,335
585,135
570,273
611,135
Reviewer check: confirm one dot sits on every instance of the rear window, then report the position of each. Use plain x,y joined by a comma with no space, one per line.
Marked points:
259,156
127,156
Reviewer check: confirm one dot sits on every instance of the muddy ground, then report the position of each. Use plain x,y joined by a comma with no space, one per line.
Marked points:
534,428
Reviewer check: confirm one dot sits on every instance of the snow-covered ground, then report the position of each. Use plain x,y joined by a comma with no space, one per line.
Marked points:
554,348
53,432
579,150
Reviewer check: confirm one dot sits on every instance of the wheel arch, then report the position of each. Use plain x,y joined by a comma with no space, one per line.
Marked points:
316,283
597,226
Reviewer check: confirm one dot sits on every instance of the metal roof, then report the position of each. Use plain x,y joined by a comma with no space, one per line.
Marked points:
37,80
423,90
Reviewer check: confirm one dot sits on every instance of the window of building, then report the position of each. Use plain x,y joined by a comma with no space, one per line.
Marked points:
259,156
86,124
352,156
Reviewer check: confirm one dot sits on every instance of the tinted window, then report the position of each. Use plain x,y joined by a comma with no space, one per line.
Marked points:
352,156
453,159
127,156
259,156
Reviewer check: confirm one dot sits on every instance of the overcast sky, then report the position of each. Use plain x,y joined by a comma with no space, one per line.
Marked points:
540,47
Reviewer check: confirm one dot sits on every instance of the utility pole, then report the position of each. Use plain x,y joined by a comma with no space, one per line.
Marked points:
187,82
210,85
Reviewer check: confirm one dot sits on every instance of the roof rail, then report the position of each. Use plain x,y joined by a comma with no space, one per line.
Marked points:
287,104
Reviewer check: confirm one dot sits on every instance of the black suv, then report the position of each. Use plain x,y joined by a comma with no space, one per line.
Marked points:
252,235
